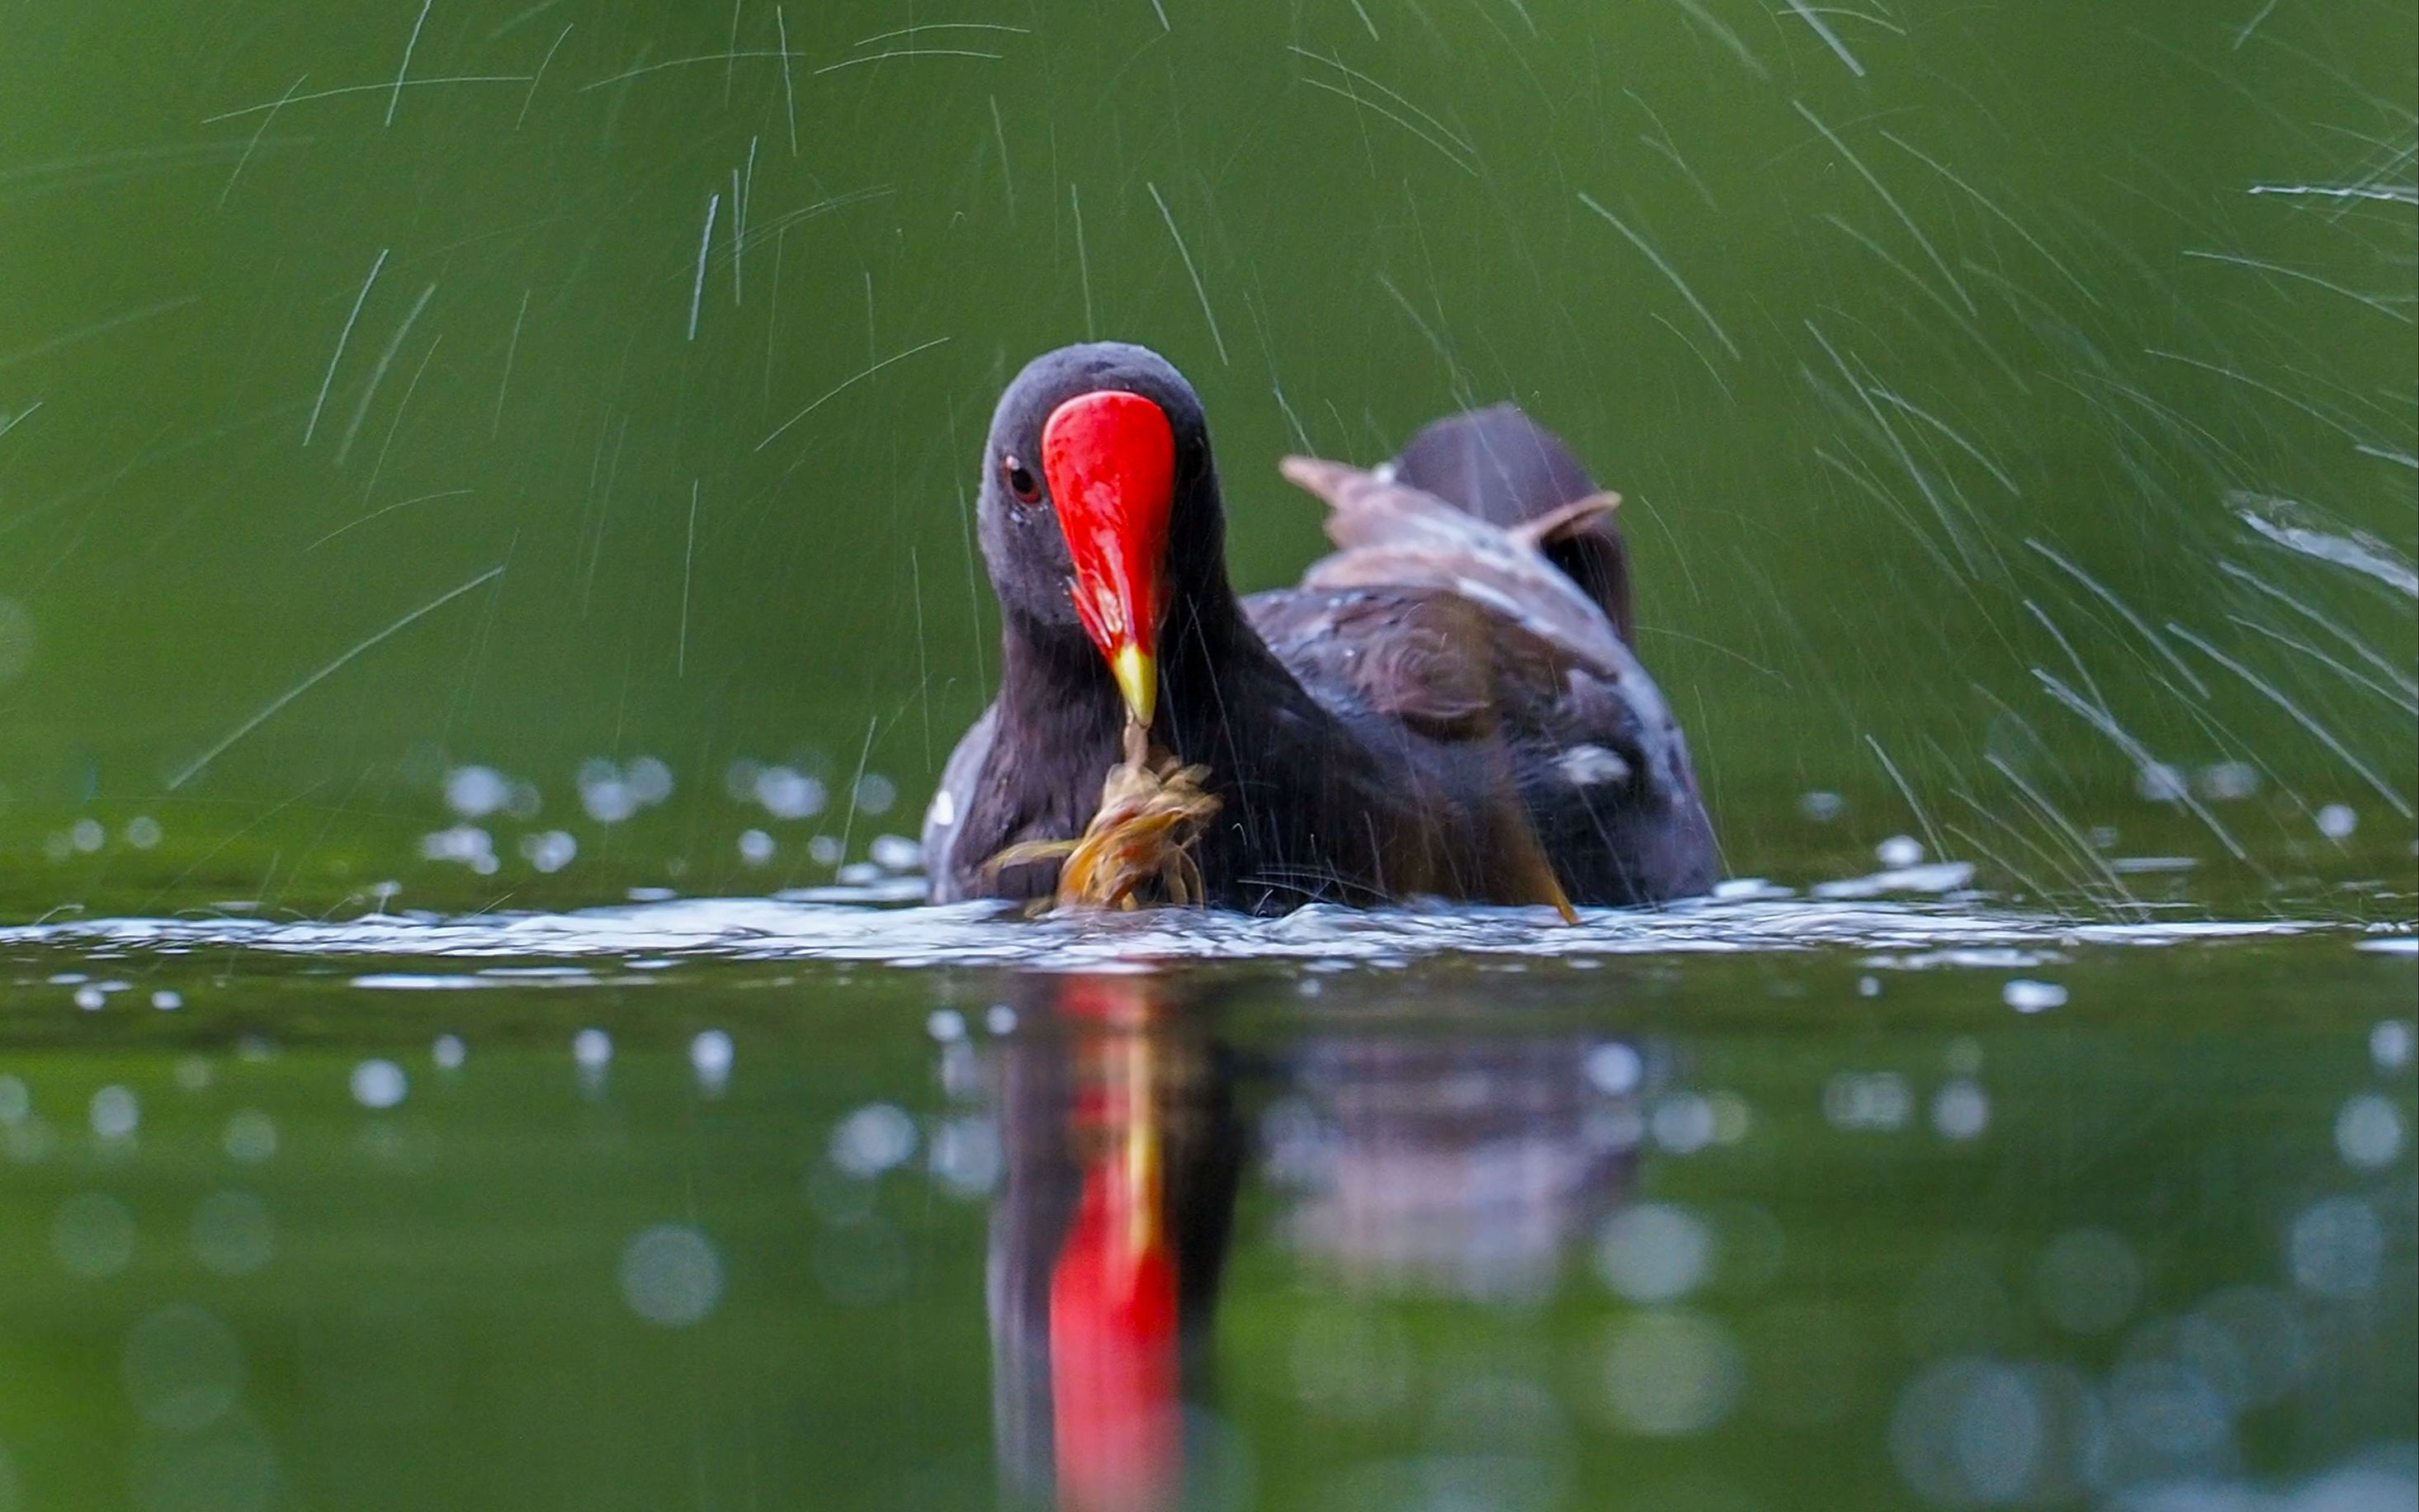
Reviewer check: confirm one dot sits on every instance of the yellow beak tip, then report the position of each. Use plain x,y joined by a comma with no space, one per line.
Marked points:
1137,677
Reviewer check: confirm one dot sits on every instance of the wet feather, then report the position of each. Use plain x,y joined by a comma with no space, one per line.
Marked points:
1138,848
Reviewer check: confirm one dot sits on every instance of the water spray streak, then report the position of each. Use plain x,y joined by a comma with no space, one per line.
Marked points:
193,768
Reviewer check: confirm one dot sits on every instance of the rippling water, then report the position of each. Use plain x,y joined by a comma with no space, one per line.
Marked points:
848,923
1772,1201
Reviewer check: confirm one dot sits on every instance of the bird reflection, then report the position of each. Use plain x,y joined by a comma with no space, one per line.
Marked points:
1416,1162
1466,1168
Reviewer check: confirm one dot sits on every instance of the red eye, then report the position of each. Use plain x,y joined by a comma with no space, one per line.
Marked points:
1020,481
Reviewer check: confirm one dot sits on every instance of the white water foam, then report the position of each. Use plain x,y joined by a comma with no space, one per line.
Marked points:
1900,932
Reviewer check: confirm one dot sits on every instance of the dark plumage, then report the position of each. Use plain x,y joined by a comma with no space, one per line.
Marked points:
1447,706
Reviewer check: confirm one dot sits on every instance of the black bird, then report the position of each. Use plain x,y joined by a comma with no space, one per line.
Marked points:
1449,705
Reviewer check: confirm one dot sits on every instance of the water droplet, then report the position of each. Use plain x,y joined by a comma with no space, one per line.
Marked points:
1683,1123
2389,1487
592,1049
2270,1340
2229,781
379,1084
739,780
115,1113
966,1155
476,791
1960,1110
604,793
2336,821
2088,1280
229,1467
786,793
1654,1253
2335,1247
2390,1044
1615,1069
1899,851
232,1233
29,1141
1671,1373
650,780
183,1369
250,1136
467,844
549,851
1878,1100
1978,1432
1820,807
710,1055
93,1236
2027,996
449,1052
1733,1118
755,847
872,1139
2369,1132
671,1276
2159,783
2168,1407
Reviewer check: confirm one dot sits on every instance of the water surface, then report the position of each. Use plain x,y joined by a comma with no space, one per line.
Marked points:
1775,1203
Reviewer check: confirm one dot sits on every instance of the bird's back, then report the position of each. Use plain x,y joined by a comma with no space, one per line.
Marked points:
1507,470
1477,610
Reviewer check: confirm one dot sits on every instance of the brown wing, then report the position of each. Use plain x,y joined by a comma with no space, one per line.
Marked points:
1445,664
1486,695
1393,535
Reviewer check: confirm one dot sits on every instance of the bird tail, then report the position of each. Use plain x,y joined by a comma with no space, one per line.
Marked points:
1505,467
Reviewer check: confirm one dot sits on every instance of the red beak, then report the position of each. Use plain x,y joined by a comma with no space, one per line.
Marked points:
1110,461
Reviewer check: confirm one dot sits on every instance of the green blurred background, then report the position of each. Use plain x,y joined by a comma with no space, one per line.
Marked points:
1933,348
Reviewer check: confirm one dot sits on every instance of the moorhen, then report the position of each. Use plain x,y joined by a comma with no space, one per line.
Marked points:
1449,705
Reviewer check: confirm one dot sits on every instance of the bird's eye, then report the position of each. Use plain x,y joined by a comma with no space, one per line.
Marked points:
1020,481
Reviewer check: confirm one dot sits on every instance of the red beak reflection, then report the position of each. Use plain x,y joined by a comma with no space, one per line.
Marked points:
1114,1365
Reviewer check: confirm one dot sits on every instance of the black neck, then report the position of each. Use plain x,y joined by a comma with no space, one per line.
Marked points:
1054,691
